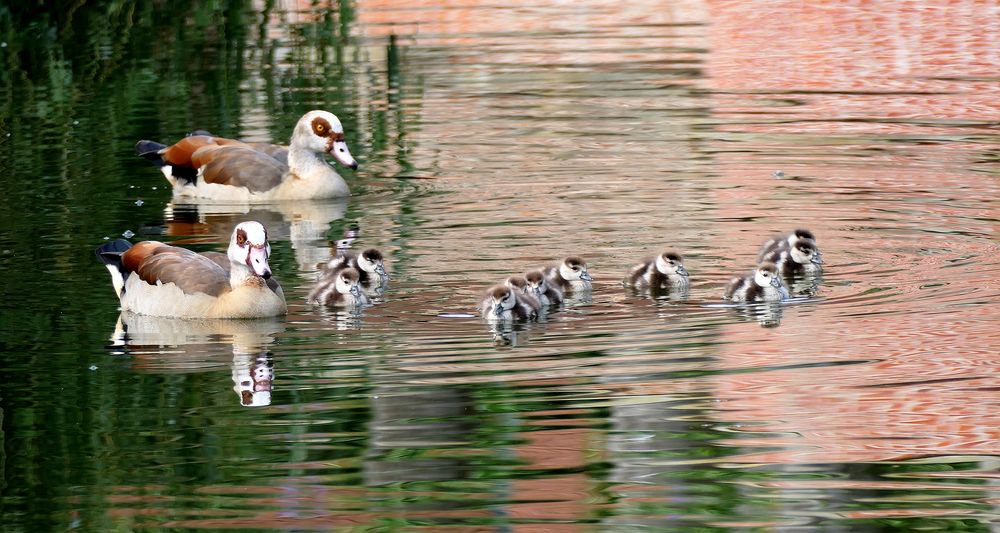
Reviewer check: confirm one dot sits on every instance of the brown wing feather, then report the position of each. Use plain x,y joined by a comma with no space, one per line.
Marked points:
239,166
190,271
134,256
182,153
220,259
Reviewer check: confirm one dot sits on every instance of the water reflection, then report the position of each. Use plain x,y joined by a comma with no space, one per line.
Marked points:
601,129
158,344
303,223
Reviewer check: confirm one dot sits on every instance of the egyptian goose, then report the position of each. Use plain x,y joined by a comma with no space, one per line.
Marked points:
370,265
545,293
569,276
784,242
341,288
502,304
525,295
153,278
763,284
665,271
205,166
800,258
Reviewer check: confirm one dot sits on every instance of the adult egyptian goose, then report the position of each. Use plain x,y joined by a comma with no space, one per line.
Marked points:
204,166
153,278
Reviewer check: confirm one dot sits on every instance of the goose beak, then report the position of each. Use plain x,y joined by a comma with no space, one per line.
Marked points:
585,276
257,261
342,154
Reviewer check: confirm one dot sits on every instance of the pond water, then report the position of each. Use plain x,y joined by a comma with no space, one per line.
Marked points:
494,138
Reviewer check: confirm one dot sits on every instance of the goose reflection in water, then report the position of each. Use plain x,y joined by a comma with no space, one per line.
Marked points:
303,223
169,345
767,314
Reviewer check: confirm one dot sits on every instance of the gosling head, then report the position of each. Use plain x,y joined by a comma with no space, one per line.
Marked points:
347,283
536,282
671,264
371,261
518,283
500,299
573,268
767,275
804,251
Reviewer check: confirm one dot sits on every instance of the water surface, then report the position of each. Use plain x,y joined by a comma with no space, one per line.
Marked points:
494,138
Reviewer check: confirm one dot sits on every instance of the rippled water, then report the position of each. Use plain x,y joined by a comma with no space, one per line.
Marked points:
494,138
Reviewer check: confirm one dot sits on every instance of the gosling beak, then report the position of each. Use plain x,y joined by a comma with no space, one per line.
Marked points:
380,270
497,309
342,154
682,271
356,292
585,276
816,259
776,282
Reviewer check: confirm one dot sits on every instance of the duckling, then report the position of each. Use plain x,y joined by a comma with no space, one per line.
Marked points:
662,272
525,295
369,264
502,303
784,242
569,276
764,284
801,258
342,289
547,293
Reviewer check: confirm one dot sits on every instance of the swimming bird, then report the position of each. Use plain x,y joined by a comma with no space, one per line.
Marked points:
786,241
525,295
204,166
763,284
370,265
502,303
153,278
342,288
802,257
570,275
664,271
545,292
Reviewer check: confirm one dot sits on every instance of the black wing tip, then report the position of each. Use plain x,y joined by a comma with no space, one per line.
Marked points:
110,253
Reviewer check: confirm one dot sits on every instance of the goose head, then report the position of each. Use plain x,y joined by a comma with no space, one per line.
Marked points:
574,268
248,246
671,264
804,251
500,299
371,261
347,283
766,275
321,132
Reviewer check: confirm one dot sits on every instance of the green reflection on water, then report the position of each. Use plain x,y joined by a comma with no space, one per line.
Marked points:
81,84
